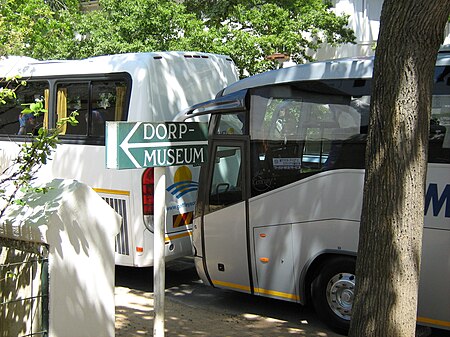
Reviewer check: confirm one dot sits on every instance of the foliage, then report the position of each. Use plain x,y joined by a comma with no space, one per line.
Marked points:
31,28
21,174
133,26
8,91
248,31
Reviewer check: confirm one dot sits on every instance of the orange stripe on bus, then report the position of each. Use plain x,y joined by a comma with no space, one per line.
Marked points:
433,321
106,191
277,294
231,285
177,236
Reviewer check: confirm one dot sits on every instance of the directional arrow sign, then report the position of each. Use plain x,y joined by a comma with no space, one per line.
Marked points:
149,144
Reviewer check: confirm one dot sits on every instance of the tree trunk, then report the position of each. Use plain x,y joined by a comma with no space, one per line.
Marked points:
390,239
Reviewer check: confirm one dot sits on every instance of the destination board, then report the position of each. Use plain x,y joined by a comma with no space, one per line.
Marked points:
149,144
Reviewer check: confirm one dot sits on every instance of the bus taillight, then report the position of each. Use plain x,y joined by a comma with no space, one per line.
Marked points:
148,194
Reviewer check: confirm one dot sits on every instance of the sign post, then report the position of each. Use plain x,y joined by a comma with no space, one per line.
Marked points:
159,263
147,144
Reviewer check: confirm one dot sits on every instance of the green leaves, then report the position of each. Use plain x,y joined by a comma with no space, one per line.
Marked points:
35,108
246,30
32,155
250,31
8,91
134,26
32,28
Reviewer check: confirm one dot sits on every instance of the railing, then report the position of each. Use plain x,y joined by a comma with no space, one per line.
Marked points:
23,288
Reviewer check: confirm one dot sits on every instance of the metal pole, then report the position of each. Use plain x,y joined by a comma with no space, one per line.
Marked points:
159,267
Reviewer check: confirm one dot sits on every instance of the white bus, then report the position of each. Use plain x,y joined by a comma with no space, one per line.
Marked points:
126,87
279,202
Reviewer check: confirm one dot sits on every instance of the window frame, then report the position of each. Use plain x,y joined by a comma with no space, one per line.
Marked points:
54,81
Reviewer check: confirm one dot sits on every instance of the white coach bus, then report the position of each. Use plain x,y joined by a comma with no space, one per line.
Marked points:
126,87
280,199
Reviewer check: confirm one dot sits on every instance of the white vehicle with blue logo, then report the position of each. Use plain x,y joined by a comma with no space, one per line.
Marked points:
279,203
133,87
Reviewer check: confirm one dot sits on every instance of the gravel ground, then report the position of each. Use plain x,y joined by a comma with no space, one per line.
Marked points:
134,317
193,309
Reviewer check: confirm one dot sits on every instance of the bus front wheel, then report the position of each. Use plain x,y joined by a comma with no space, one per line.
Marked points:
333,293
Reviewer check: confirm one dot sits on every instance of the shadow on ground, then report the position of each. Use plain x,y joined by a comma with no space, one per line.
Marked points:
193,309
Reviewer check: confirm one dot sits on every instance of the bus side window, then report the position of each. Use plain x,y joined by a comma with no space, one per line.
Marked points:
73,97
347,149
439,138
108,99
297,137
231,124
95,102
226,185
12,121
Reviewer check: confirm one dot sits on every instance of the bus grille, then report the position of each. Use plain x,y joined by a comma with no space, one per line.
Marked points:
122,241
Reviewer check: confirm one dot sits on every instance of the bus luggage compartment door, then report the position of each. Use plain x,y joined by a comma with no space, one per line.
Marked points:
274,262
226,248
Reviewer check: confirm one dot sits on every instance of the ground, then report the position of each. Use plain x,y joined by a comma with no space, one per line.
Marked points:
134,317
193,309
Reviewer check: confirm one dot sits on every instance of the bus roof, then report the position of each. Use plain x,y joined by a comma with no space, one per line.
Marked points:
128,62
232,98
355,67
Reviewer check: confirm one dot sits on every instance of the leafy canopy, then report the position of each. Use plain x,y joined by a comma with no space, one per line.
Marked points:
247,30
32,28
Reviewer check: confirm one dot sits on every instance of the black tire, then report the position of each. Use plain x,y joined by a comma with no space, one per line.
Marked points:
332,293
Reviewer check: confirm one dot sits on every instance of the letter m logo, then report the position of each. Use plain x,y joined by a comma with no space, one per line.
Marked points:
432,197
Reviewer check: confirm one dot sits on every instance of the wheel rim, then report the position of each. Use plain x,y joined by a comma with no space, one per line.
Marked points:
340,294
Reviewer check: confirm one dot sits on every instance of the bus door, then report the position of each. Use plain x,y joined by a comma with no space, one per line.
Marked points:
225,218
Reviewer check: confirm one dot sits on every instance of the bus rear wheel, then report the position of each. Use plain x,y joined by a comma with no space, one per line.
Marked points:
333,292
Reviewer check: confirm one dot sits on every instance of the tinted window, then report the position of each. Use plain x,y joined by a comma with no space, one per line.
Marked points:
95,102
296,133
230,124
439,140
226,184
305,128
12,121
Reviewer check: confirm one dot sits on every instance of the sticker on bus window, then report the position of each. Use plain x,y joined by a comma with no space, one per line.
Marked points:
287,163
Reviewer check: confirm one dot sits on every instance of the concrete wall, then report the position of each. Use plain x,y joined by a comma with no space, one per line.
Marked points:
364,19
79,228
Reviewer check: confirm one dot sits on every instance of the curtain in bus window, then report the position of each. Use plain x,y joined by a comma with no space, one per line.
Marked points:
120,100
46,101
74,97
61,108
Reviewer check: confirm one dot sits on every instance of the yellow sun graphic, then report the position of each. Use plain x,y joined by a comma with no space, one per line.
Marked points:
182,174
182,183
